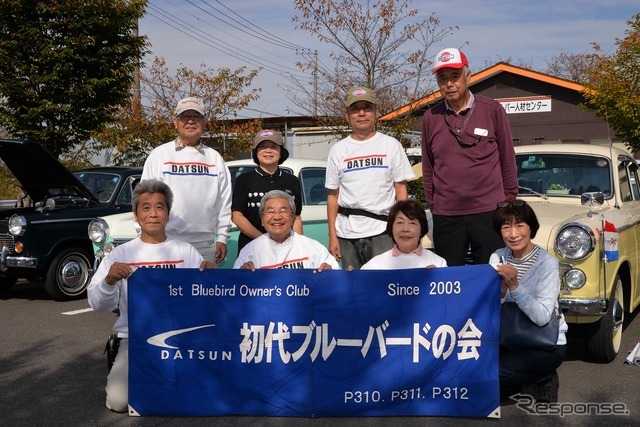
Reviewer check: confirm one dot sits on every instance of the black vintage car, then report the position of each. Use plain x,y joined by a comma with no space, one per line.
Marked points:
48,242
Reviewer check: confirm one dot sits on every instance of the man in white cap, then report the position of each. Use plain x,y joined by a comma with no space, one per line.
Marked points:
269,153
200,181
468,164
367,173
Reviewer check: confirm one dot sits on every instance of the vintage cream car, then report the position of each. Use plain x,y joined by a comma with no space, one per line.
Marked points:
587,200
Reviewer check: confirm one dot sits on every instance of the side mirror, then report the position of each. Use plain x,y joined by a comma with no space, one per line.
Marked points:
592,198
49,205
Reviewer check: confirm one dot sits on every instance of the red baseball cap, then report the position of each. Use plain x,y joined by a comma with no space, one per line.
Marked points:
450,58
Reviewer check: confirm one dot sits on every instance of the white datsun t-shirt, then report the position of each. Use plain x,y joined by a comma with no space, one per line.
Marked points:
365,173
136,254
297,251
201,185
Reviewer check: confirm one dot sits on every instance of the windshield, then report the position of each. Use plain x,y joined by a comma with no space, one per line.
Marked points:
101,185
563,174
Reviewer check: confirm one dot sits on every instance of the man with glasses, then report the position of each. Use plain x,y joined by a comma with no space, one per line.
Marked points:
468,164
200,181
367,173
280,246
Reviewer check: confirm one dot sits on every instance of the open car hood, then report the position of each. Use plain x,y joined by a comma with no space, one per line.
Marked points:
38,171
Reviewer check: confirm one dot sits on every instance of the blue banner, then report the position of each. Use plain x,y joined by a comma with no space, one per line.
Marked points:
306,344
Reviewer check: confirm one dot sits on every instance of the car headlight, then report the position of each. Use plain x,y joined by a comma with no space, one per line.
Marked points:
108,248
17,225
575,241
575,279
98,230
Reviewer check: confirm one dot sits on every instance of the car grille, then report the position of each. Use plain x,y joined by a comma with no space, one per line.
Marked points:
7,240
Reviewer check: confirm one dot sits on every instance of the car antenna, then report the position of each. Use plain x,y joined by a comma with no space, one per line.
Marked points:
606,119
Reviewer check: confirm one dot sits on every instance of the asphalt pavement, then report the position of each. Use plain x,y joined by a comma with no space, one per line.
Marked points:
53,373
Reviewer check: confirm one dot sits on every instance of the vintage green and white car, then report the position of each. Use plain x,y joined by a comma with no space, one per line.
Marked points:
587,200
110,231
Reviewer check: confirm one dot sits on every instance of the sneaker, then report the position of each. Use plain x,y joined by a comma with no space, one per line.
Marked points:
547,391
507,392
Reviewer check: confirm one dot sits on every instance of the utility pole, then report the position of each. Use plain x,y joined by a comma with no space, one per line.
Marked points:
315,76
315,83
136,75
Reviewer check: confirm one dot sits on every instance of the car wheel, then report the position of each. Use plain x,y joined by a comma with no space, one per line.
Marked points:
605,335
7,283
68,275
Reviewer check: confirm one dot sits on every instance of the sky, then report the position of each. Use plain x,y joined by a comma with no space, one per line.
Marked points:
259,33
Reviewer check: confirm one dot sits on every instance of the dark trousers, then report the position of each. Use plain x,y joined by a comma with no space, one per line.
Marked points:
454,236
356,252
528,366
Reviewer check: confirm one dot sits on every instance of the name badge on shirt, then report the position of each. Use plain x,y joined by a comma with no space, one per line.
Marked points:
480,132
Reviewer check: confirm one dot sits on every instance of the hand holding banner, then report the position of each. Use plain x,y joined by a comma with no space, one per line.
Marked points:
308,344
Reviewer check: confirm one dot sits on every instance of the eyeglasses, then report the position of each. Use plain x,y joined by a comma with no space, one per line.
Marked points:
187,117
281,211
457,134
514,203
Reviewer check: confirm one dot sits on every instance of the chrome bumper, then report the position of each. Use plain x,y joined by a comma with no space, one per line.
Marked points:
7,261
584,307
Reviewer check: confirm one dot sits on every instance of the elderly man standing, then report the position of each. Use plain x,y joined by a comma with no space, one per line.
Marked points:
280,246
108,290
468,164
367,173
200,181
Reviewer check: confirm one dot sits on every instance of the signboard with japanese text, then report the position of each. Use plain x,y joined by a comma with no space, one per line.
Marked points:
527,104
306,344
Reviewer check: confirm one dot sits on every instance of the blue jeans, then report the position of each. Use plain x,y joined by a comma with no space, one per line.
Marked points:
357,252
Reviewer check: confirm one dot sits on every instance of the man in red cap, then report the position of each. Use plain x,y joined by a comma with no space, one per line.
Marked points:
468,163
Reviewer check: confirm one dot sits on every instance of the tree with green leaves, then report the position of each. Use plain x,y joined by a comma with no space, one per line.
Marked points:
146,122
613,85
66,67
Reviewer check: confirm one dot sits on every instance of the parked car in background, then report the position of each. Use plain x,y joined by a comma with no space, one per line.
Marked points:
414,154
587,200
48,242
108,232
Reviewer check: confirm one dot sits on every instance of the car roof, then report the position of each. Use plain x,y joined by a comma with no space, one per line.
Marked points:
119,170
601,150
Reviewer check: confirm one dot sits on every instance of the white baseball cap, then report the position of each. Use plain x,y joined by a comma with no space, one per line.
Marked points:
190,103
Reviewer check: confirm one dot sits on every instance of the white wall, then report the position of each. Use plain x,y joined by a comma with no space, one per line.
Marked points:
310,143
